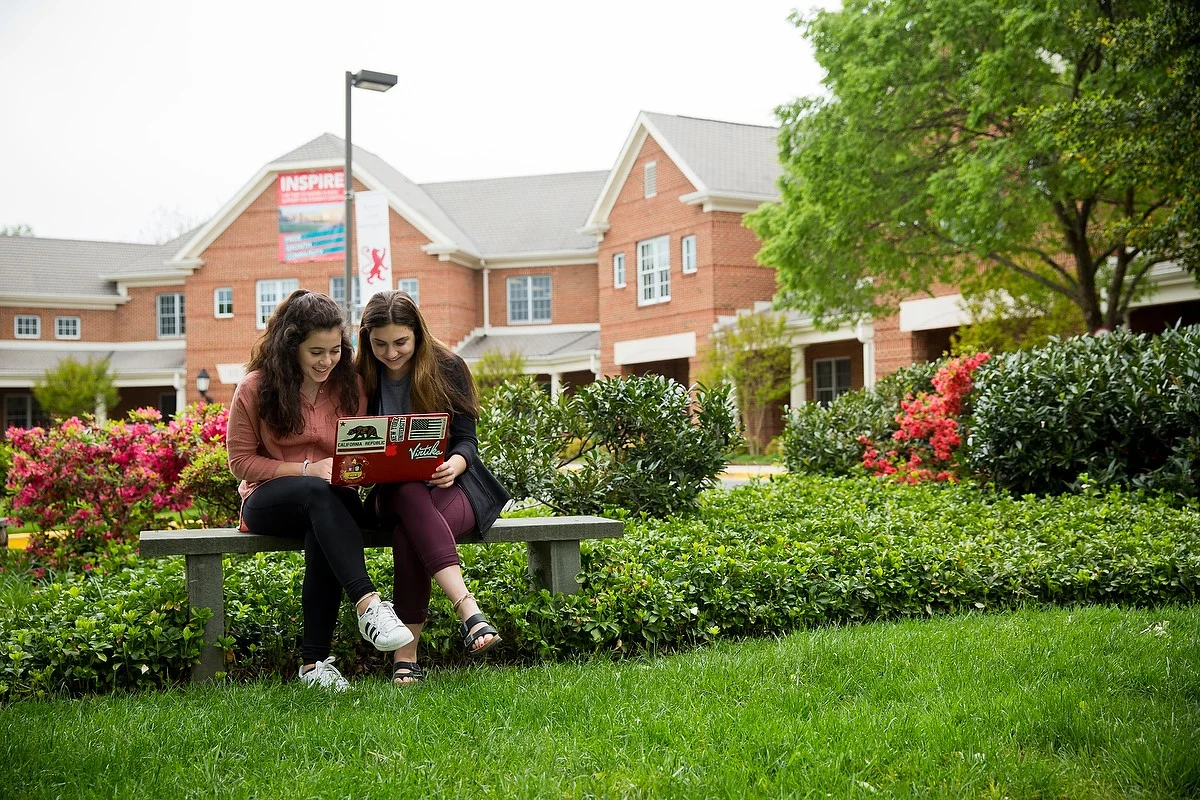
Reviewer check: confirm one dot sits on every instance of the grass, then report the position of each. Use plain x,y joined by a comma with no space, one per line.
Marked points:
1084,703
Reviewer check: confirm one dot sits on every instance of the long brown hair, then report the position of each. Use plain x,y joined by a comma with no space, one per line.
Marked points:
440,379
277,359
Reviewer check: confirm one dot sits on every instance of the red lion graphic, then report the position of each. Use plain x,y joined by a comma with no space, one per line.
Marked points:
376,273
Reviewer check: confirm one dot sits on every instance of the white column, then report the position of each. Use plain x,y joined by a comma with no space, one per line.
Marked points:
799,379
487,302
865,333
180,391
555,385
101,411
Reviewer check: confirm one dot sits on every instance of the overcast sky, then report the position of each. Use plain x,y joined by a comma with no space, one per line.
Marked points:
120,116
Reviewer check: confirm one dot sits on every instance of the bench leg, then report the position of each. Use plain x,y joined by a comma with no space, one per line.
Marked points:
554,565
206,589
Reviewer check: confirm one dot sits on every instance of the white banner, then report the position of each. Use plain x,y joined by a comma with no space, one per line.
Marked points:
374,246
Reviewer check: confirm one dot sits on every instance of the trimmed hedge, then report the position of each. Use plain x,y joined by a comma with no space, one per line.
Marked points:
1117,410
763,559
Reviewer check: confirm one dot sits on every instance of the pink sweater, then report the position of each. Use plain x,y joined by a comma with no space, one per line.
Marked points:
255,452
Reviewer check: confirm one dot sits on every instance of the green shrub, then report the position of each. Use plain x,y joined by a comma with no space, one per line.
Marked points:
1117,410
823,440
764,559
213,489
645,444
125,629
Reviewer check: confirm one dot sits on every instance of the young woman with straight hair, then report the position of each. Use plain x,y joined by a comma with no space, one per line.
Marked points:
404,369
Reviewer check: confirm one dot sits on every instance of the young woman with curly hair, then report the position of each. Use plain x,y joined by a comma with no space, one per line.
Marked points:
282,424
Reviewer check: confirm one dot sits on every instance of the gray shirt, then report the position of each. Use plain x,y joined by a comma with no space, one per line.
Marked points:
395,396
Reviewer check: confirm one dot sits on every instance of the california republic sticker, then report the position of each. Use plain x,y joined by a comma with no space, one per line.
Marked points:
362,435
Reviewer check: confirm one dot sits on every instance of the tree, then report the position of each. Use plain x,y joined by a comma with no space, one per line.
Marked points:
495,368
1057,141
73,388
16,230
753,354
165,224
1011,313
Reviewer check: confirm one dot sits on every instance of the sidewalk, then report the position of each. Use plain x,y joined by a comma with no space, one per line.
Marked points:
748,471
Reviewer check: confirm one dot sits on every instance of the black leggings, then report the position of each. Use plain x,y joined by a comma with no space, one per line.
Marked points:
328,518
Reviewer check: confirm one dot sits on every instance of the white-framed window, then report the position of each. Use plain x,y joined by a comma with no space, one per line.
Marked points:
687,249
223,302
650,178
27,326
831,379
23,411
337,290
412,287
654,271
66,327
529,299
618,270
269,294
170,315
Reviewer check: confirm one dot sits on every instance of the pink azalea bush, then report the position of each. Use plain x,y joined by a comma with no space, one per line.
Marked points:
99,483
925,446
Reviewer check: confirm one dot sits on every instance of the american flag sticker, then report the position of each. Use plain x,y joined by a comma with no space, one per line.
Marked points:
423,428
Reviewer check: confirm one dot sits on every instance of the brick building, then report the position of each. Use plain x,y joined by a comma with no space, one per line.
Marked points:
584,274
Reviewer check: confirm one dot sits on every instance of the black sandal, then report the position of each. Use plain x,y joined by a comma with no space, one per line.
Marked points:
470,637
411,674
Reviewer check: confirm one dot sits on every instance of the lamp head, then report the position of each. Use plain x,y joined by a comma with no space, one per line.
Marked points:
375,81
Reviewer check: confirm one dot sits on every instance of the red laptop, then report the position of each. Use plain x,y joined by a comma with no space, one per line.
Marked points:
389,449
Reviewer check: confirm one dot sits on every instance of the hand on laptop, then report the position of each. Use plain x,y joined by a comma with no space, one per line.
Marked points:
321,469
451,468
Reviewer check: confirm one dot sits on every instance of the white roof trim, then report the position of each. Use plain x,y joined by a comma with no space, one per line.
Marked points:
172,274
101,301
206,235
741,202
597,221
128,379
549,258
76,346
454,254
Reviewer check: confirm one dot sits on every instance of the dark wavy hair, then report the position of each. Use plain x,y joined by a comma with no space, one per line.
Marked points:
440,379
276,356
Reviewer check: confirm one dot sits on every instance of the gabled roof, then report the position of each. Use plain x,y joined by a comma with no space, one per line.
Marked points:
405,197
30,265
535,213
733,167
725,156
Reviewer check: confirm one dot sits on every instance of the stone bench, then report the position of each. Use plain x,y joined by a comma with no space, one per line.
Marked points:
553,560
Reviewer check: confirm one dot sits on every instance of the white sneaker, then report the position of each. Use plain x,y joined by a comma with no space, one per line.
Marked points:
326,676
380,626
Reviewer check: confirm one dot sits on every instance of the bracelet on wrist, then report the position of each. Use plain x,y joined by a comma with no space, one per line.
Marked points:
304,469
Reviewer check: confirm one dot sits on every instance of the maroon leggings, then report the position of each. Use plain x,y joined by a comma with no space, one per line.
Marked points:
426,524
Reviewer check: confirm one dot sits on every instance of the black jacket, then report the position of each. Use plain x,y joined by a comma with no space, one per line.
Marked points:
485,494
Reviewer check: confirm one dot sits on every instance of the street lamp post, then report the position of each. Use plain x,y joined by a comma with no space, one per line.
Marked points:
376,82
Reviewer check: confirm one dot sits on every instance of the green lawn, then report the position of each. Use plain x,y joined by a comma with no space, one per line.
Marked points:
1079,703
